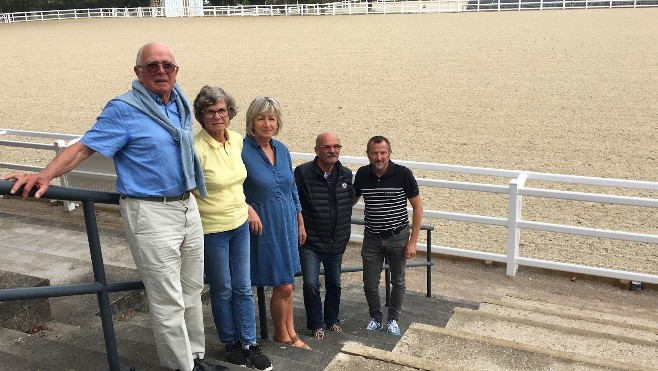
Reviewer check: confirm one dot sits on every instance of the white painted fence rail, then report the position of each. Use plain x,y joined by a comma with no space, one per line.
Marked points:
97,172
336,8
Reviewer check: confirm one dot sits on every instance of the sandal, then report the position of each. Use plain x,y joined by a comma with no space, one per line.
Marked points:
294,339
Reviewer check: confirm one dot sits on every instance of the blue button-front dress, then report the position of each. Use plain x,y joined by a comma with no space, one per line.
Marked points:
271,191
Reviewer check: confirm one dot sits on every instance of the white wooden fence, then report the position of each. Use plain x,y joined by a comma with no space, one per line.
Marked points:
335,8
98,173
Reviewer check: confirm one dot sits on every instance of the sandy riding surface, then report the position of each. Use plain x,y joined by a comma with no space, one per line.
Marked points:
570,92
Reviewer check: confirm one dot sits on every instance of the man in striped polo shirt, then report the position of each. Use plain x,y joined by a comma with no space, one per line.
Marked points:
386,187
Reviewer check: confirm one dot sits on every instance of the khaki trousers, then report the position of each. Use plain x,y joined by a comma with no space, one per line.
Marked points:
166,240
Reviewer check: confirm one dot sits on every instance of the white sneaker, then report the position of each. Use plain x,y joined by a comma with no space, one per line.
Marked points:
393,328
374,325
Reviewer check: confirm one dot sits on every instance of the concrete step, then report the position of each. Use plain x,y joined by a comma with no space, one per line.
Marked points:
136,326
11,362
40,349
359,357
60,269
132,325
633,318
23,315
63,239
477,352
617,328
85,338
639,353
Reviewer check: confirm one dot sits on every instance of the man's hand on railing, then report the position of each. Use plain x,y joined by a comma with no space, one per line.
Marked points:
29,181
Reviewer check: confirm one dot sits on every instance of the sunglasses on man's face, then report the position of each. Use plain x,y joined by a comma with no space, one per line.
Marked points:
154,67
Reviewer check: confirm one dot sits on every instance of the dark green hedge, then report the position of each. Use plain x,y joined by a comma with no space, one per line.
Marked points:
12,6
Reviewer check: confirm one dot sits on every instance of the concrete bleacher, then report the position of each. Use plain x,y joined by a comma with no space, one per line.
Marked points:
496,332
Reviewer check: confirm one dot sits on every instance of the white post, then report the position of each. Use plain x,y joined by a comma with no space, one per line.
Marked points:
513,216
64,180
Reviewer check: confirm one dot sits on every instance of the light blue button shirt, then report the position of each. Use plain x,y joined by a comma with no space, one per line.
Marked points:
146,158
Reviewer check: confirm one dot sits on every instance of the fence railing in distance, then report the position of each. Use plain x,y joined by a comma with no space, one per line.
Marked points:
514,189
335,8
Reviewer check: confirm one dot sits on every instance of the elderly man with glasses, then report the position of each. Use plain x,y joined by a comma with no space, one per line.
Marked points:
325,193
148,133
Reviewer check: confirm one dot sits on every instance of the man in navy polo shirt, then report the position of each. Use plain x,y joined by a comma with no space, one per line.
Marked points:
386,187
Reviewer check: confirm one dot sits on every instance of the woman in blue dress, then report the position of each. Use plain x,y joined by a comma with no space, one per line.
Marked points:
275,218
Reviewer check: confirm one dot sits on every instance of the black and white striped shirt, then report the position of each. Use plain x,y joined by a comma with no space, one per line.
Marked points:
386,197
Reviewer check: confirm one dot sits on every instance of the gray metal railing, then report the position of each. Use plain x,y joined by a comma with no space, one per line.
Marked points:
102,288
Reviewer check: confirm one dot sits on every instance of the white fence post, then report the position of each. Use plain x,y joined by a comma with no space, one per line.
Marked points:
99,174
60,145
513,217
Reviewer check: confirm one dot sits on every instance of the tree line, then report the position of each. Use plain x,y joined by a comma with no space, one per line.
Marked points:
13,6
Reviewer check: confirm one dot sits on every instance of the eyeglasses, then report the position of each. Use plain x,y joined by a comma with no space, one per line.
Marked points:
327,147
210,113
154,67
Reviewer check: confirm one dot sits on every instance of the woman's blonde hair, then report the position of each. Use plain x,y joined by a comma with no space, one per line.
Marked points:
259,106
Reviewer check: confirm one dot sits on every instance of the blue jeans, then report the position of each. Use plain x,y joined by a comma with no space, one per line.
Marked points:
374,250
310,262
228,271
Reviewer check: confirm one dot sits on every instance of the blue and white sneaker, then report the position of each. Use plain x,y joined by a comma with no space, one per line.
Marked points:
393,327
374,325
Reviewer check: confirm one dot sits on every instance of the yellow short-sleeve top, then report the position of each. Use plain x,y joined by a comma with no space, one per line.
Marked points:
224,209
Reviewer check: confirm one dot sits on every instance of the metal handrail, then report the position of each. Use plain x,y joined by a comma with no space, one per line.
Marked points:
100,285
102,288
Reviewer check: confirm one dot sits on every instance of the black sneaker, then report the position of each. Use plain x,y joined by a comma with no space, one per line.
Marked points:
202,365
235,354
258,359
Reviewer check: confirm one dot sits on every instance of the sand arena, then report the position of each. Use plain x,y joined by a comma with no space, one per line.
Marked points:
571,92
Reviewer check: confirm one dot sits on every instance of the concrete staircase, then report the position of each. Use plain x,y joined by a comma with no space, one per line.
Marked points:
516,333
439,333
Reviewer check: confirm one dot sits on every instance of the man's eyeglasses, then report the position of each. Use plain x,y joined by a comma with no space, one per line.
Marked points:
210,113
327,147
154,67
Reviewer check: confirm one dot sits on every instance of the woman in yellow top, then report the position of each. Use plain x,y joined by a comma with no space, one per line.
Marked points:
226,231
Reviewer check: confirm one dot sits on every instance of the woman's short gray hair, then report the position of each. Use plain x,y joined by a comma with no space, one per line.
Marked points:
260,106
209,95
